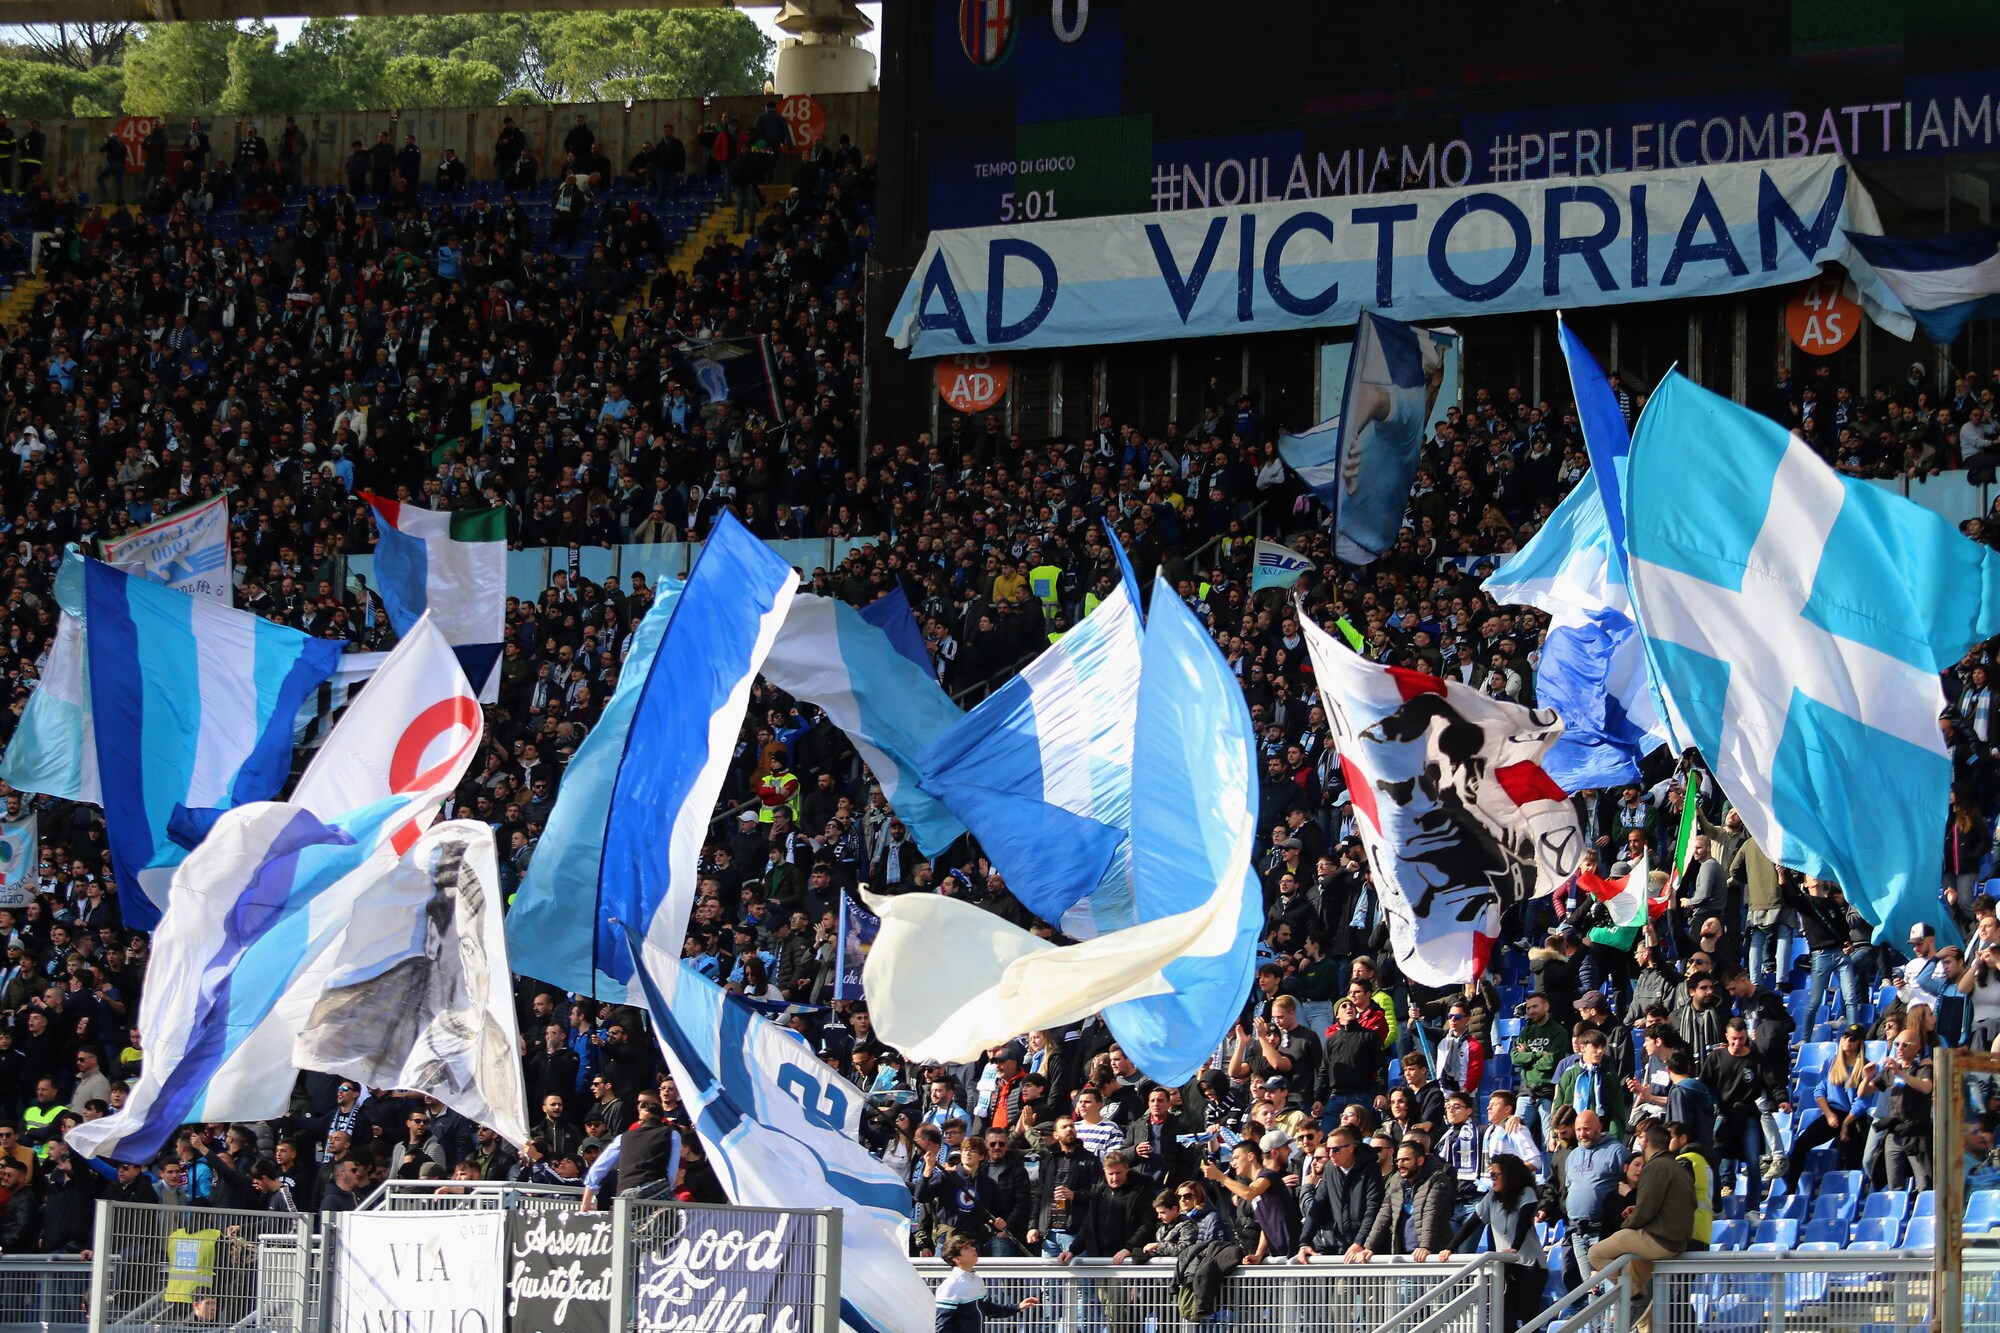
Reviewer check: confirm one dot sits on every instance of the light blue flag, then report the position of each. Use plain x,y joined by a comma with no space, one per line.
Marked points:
782,1130
1393,378
1796,623
192,706
891,613
1041,771
624,840
52,750
891,707
1276,566
1194,794
1593,667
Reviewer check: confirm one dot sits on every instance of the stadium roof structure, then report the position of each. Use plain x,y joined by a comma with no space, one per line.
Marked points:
149,11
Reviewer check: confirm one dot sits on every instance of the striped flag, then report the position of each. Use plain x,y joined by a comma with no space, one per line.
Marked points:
1690,809
1624,897
625,837
1946,281
454,565
781,1131
324,708
192,705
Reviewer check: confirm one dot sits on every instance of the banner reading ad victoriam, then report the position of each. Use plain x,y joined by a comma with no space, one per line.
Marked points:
1414,255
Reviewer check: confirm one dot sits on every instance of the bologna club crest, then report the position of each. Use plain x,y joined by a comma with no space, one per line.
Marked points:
986,30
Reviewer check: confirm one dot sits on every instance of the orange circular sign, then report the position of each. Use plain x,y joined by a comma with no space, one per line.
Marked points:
805,118
1822,317
972,383
132,132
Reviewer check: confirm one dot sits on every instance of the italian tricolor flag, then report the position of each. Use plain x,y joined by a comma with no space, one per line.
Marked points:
454,565
1624,897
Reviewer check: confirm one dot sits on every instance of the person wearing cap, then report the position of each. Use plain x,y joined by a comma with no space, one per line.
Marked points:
1845,1096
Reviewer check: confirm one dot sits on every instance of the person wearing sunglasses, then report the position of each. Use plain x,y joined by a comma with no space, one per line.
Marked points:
1339,1205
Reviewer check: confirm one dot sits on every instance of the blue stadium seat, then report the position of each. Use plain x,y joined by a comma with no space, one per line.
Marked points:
1793,1207
1841,1182
1890,1205
1926,1205
1831,1206
1782,1232
1825,1231
1982,1212
1736,1207
1814,1056
1887,1230
1728,1234
1922,1234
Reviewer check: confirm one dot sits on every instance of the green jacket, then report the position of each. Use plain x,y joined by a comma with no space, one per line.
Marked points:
1536,1052
1663,1205
1612,1105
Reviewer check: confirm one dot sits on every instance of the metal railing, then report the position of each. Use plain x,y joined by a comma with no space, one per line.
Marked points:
1606,1297
1321,1296
156,1266
414,1196
1848,1291
1470,1297
40,1292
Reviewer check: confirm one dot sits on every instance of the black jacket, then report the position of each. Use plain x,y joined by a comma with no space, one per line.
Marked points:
1340,1209
1080,1171
1198,1275
1119,1219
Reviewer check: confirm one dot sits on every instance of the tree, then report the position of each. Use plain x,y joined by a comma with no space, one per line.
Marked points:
412,81
596,55
257,85
332,66
78,46
178,69
39,88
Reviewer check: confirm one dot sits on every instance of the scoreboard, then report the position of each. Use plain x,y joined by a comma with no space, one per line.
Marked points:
1034,110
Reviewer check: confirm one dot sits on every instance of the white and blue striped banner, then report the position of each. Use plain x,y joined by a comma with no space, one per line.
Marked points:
192,706
782,1130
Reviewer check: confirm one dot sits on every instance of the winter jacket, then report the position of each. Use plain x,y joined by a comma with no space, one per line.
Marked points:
1338,1212
1435,1194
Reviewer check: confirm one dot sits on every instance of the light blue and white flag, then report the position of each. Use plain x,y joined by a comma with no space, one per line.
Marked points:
892,614
188,551
1277,566
624,840
948,980
832,655
324,707
192,705
238,914
54,750
20,858
1946,281
1314,457
1041,771
782,1131
257,925
1392,381
1796,623
1593,667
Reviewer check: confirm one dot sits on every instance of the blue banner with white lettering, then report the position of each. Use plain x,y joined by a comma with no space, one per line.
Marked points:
1414,255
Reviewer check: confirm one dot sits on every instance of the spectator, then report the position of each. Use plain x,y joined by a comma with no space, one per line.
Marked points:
1417,1202
1506,1213
1660,1221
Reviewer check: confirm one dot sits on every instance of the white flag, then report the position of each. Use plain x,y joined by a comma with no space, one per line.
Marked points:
188,551
419,995
20,855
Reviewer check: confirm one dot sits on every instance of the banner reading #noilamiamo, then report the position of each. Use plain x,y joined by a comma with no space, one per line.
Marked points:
420,1271
748,1270
559,1272
1414,255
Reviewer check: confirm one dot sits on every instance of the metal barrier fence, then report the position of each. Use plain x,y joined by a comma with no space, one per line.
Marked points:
1093,1296
154,1267
411,1196
44,1292
681,1266
1841,1291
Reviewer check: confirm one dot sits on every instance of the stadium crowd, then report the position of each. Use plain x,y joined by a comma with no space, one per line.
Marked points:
461,344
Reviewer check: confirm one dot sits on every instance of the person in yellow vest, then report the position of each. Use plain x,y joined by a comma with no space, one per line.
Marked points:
775,790
39,1120
1045,581
1695,1158
1097,594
